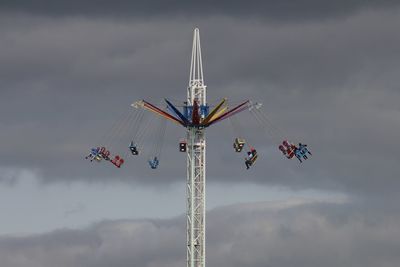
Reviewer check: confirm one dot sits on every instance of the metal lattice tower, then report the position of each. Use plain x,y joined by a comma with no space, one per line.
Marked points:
196,165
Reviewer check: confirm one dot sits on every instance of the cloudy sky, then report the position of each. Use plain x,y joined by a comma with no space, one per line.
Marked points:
327,73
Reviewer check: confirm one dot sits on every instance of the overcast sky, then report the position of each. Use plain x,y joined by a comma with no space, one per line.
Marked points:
327,73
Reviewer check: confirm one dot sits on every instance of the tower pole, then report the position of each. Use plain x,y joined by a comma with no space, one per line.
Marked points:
196,164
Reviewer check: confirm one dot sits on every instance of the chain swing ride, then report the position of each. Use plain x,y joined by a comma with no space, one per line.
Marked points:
195,115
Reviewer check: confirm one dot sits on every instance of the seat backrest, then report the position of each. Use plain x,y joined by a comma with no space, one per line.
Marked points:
254,158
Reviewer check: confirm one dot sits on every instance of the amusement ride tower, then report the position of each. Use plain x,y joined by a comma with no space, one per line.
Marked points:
196,117
196,164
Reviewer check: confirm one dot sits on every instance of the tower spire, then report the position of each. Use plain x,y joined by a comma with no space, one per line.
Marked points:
196,64
197,88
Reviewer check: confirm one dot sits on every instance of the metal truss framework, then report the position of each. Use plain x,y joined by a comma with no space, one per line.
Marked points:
196,165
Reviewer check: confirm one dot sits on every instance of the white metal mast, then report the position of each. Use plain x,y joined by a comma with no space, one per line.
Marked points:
196,164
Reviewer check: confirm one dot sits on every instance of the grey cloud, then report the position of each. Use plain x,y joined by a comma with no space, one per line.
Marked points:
77,208
333,85
282,234
11,175
270,10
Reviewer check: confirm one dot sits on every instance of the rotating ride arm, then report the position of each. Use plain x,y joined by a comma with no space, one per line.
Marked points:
235,110
215,112
146,105
178,113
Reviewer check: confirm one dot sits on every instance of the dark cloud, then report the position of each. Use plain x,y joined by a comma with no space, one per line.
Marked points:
68,71
333,85
282,234
270,10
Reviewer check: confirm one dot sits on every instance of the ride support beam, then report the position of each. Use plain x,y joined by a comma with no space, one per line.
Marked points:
213,112
162,113
229,113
